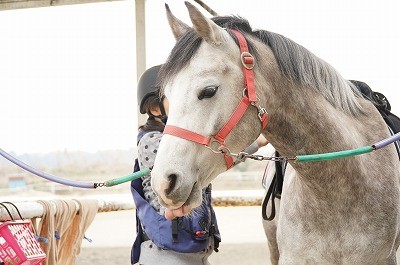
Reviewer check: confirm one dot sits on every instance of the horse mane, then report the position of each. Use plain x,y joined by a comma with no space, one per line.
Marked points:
296,63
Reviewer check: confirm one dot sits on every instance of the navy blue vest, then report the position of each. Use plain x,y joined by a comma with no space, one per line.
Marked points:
188,234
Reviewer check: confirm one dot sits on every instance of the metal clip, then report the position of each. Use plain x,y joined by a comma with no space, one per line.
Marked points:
99,185
261,110
225,150
241,157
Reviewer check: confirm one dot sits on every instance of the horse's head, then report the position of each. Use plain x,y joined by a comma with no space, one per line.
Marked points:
203,80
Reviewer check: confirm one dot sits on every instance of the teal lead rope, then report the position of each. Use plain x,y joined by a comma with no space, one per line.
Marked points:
334,155
130,177
242,156
347,153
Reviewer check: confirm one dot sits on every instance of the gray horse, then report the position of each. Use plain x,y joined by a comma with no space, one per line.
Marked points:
343,211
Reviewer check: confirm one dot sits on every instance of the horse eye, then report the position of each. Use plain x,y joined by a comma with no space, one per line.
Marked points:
208,92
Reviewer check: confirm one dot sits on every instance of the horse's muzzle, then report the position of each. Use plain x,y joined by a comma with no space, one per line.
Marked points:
171,190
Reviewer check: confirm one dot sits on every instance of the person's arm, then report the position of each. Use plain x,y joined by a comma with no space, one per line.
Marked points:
147,151
257,144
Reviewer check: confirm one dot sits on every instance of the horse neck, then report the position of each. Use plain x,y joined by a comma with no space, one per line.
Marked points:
304,122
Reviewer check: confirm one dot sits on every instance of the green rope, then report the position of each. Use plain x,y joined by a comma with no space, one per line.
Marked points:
136,175
334,155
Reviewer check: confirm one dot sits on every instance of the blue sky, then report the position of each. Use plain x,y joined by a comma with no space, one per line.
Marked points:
68,73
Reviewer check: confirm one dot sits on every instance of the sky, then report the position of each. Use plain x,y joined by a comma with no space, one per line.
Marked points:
68,76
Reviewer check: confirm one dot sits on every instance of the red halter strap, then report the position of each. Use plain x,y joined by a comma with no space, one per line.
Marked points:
249,98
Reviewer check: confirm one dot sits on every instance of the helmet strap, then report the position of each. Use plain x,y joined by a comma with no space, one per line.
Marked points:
163,115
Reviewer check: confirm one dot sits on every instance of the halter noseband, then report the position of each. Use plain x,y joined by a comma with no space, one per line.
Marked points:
249,98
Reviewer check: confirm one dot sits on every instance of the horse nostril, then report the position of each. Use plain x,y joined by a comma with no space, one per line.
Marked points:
172,183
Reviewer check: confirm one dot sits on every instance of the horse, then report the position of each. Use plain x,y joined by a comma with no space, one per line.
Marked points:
224,93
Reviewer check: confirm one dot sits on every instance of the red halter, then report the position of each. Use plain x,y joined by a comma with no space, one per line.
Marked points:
249,98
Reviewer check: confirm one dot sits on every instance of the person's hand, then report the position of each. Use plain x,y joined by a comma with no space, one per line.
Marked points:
261,141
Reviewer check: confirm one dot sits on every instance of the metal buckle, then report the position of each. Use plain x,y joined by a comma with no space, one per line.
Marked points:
261,112
245,65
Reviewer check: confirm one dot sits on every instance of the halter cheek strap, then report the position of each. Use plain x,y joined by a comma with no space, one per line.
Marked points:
249,98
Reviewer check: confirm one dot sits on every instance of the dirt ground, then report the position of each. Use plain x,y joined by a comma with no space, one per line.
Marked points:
243,240
232,254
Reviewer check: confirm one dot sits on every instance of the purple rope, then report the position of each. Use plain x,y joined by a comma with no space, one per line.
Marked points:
387,141
86,185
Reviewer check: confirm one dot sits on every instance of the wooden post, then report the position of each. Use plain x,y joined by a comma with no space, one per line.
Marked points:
140,17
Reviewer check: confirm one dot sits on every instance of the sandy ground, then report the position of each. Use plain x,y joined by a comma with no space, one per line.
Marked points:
243,240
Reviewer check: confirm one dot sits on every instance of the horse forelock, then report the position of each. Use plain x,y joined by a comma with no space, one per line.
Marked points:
295,62
184,49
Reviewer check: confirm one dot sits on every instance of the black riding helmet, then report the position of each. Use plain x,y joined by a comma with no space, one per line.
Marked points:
147,88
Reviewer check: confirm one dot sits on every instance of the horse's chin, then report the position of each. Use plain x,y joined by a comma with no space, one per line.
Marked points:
192,201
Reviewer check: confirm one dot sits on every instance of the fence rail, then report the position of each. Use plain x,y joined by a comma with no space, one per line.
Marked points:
32,209
18,4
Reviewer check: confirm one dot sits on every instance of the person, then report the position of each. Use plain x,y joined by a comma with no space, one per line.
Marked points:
182,241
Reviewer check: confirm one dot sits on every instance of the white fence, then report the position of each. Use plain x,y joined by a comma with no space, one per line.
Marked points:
30,208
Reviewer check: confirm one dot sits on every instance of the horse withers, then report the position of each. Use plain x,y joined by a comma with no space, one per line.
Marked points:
343,211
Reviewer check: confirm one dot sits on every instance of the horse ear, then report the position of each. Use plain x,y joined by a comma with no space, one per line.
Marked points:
177,26
205,27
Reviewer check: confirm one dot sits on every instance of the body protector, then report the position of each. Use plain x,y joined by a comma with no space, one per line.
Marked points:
187,234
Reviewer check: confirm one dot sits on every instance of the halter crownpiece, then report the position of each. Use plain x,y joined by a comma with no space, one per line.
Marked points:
249,97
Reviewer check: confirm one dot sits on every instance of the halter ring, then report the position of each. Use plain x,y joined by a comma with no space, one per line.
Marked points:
218,150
